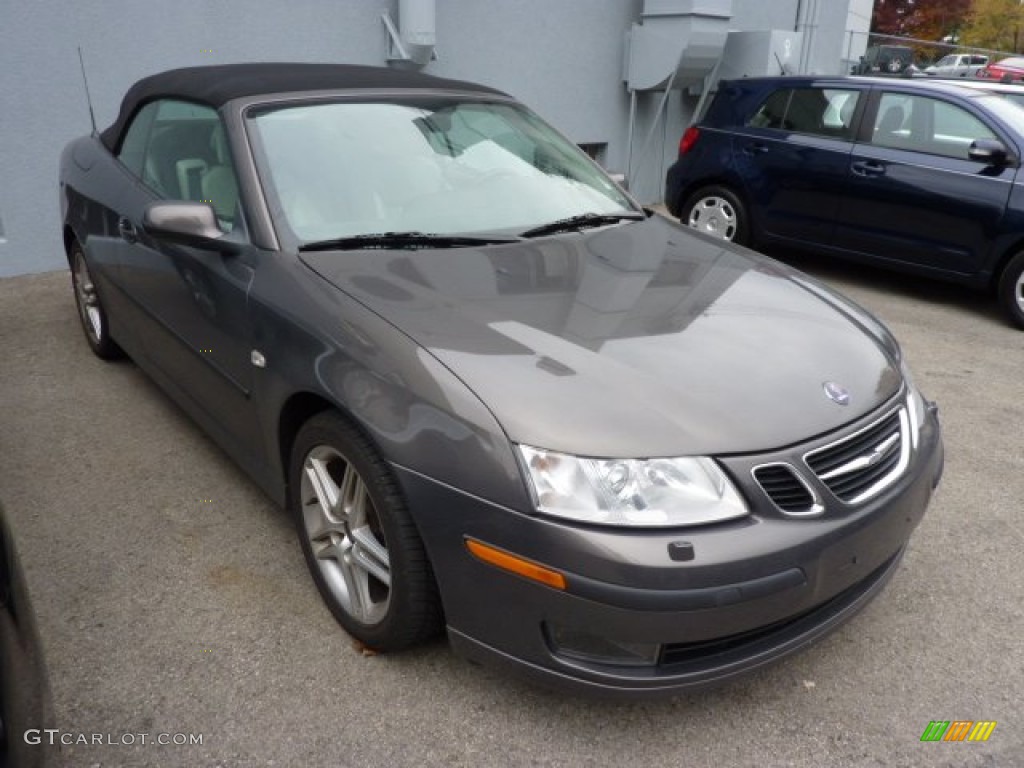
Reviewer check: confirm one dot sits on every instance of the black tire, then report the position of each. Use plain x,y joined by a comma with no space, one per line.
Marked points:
91,313
349,553
1011,289
719,212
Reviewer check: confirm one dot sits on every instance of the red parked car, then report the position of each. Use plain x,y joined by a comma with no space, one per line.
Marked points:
1006,69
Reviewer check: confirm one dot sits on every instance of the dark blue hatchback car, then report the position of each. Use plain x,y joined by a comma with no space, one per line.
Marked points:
918,176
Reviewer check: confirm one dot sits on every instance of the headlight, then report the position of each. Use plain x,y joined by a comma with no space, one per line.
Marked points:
631,492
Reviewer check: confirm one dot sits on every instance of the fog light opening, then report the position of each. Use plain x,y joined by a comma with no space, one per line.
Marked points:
595,649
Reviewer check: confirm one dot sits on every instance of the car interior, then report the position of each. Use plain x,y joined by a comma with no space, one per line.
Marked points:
926,125
188,159
816,111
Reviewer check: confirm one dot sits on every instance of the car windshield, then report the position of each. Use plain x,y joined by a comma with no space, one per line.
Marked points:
946,61
425,165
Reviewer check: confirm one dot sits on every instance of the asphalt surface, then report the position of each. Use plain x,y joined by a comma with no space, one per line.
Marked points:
173,598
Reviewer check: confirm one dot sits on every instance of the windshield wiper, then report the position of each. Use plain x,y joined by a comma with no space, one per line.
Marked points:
582,221
407,240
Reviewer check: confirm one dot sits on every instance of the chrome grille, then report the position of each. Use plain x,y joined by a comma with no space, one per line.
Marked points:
862,465
786,490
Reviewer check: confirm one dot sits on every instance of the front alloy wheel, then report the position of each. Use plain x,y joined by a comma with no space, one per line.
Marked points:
90,309
362,548
345,535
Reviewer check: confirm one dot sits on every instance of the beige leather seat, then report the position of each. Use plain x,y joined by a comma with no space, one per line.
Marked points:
218,185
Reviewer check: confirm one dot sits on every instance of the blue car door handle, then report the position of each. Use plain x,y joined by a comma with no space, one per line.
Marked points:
868,168
127,230
754,149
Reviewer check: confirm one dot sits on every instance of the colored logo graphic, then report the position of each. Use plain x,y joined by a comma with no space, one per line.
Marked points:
958,730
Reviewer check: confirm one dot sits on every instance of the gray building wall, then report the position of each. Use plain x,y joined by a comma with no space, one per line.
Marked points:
564,58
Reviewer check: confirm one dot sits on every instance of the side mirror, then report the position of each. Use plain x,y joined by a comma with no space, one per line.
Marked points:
988,151
193,224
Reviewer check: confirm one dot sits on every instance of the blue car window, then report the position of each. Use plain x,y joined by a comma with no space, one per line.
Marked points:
772,113
816,111
837,118
927,125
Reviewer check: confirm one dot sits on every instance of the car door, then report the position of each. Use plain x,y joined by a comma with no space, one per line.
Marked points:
190,306
793,155
914,196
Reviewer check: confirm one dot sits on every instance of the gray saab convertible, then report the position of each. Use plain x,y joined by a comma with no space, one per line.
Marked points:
498,397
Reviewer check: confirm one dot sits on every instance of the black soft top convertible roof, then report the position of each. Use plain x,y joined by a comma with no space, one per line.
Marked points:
217,85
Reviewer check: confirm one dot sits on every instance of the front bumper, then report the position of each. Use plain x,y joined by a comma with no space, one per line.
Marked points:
750,591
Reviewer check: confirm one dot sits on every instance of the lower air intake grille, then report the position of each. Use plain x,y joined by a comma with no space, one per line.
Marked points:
785,489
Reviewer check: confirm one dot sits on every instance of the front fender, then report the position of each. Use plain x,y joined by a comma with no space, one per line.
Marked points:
416,411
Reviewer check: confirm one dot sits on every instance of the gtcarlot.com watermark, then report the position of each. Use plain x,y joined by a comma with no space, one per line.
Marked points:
55,736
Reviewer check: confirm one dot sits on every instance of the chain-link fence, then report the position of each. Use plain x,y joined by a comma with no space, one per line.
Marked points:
891,54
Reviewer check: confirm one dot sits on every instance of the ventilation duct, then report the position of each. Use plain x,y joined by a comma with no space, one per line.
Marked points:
677,43
411,44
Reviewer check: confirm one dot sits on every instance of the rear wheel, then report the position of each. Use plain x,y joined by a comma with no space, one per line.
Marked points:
362,548
718,212
1011,289
90,310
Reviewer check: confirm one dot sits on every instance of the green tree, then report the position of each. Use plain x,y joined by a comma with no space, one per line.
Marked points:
938,19
995,24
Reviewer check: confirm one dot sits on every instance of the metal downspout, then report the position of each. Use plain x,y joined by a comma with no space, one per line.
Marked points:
629,138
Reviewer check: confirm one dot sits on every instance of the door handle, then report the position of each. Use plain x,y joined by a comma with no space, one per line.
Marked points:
754,149
868,168
127,230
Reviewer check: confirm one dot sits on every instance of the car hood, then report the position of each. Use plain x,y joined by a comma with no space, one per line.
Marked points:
642,339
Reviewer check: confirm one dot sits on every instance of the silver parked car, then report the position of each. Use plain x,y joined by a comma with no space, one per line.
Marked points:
957,65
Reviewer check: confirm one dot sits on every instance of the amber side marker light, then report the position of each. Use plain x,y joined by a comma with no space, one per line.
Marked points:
506,561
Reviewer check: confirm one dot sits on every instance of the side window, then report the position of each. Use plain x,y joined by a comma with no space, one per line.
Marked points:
823,111
187,158
133,147
955,130
772,113
815,111
927,125
892,123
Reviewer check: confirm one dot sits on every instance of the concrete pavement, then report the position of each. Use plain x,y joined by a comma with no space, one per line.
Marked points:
173,598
